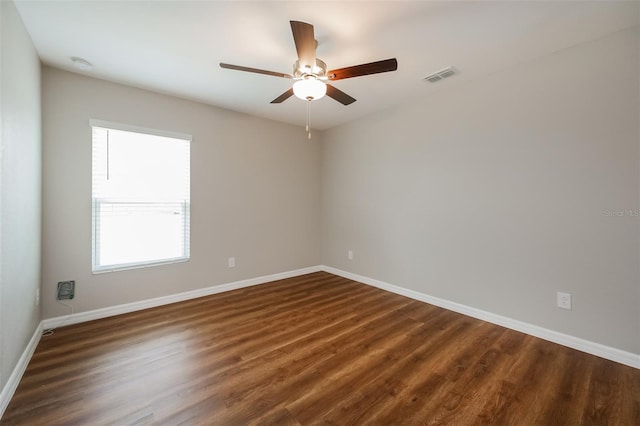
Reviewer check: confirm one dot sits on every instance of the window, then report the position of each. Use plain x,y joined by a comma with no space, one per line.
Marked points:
140,195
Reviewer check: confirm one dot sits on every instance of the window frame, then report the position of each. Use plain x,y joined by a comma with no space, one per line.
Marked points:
95,204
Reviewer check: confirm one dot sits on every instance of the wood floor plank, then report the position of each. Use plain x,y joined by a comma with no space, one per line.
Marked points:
315,349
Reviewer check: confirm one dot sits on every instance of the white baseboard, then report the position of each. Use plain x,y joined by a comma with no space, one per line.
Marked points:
590,347
607,352
14,380
12,384
587,346
173,298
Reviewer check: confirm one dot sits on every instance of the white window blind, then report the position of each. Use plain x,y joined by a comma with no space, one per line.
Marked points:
141,198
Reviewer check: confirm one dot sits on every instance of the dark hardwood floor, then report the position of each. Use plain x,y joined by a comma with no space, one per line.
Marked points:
316,349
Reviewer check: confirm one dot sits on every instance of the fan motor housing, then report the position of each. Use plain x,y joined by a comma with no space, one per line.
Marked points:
319,70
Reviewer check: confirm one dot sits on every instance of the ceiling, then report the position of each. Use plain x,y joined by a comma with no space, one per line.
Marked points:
174,47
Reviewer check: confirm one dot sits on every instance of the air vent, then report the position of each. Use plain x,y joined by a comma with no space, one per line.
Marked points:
66,290
437,76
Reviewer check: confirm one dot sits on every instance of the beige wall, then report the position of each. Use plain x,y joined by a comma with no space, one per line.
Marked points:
255,193
20,189
494,194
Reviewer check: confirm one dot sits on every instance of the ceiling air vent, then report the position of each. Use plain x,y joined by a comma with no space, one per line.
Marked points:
437,76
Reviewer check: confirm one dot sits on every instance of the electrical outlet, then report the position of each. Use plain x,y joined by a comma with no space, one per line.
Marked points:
564,300
37,297
231,262
350,254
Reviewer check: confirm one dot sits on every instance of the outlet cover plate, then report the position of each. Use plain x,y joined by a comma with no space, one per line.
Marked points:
564,300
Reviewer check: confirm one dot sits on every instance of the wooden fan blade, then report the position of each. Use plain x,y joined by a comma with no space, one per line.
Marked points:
339,95
254,70
305,42
286,95
364,69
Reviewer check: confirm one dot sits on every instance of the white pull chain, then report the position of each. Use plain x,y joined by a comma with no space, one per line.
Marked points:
309,118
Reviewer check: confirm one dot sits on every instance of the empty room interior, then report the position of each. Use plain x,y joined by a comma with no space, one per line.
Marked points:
295,213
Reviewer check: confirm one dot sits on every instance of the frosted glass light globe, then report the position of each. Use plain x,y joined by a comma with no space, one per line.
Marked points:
309,89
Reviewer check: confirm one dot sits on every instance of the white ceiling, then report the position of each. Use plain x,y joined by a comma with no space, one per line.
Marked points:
175,47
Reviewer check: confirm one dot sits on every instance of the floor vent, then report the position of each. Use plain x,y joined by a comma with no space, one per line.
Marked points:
437,76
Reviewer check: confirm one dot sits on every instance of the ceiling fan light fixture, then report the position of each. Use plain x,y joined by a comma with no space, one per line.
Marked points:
309,89
319,69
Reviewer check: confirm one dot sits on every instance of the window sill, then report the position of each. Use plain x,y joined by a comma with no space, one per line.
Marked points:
126,267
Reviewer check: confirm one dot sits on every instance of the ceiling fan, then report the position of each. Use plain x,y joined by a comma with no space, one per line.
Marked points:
310,73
